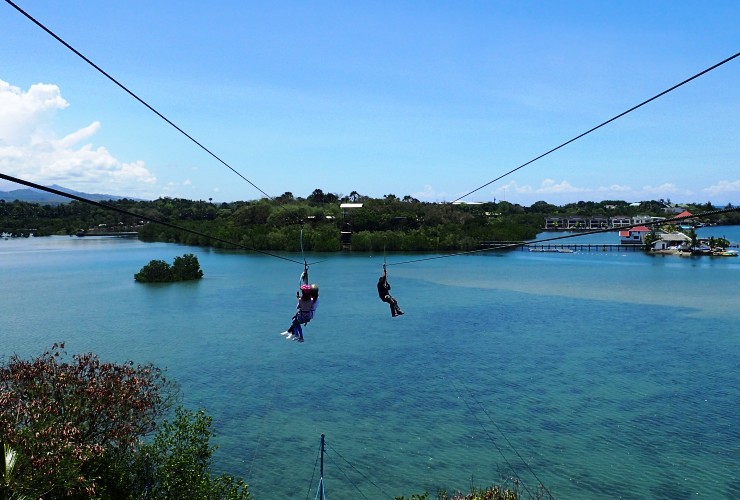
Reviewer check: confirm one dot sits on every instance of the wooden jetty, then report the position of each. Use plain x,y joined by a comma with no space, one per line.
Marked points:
119,234
562,247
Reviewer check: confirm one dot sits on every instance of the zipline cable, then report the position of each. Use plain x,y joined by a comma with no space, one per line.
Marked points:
304,276
505,246
601,125
132,94
139,216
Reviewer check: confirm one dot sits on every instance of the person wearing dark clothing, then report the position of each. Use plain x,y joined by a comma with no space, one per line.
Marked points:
384,293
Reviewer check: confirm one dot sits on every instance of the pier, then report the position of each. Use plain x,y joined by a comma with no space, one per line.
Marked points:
562,247
97,231
119,234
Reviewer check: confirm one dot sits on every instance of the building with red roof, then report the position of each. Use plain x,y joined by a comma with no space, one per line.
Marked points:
633,235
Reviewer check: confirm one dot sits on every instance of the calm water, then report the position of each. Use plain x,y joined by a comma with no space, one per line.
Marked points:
605,375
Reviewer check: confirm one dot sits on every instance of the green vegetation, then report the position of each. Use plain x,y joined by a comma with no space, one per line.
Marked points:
651,238
184,268
76,430
493,492
721,243
393,223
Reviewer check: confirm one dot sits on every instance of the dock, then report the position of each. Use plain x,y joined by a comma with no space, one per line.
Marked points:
562,247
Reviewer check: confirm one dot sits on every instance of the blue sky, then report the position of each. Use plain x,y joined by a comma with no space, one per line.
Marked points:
429,99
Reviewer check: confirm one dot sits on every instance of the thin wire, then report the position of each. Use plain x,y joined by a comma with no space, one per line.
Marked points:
347,477
493,441
320,489
313,473
142,101
485,411
453,376
601,125
138,216
576,235
357,470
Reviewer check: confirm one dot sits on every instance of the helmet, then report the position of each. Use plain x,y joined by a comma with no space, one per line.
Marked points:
306,288
314,287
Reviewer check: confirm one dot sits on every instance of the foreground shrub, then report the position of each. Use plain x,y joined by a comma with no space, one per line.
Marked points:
62,417
77,429
179,461
493,492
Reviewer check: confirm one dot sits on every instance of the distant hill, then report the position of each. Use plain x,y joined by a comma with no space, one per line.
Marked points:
31,195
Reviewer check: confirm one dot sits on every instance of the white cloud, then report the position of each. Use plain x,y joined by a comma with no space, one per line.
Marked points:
564,191
616,189
170,188
550,186
512,187
29,148
24,114
429,194
667,188
547,186
723,188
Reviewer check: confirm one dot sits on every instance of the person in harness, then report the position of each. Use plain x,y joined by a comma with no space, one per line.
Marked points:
308,301
384,293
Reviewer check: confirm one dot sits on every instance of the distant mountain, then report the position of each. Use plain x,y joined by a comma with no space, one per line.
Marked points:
31,195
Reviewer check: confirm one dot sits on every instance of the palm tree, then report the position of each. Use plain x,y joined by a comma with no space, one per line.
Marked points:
691,233
6,470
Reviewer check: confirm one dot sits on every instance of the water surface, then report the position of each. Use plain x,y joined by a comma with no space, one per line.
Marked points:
600,374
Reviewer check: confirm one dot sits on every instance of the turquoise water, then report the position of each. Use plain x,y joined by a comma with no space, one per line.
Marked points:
602,374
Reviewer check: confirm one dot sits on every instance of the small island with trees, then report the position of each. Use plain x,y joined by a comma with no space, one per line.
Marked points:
185,268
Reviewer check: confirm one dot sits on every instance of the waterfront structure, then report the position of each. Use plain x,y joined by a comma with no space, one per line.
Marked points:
580,223
345,235
634,235
555,223
672,243
620,221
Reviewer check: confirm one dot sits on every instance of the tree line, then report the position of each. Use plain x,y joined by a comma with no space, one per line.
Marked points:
392,223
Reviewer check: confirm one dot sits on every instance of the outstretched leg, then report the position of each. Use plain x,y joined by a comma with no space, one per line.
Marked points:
297,332
395,310
291,331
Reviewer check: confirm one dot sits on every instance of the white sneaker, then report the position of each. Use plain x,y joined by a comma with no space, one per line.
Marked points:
284,333
289,337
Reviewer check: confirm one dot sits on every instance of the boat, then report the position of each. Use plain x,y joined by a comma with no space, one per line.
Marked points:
725,253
